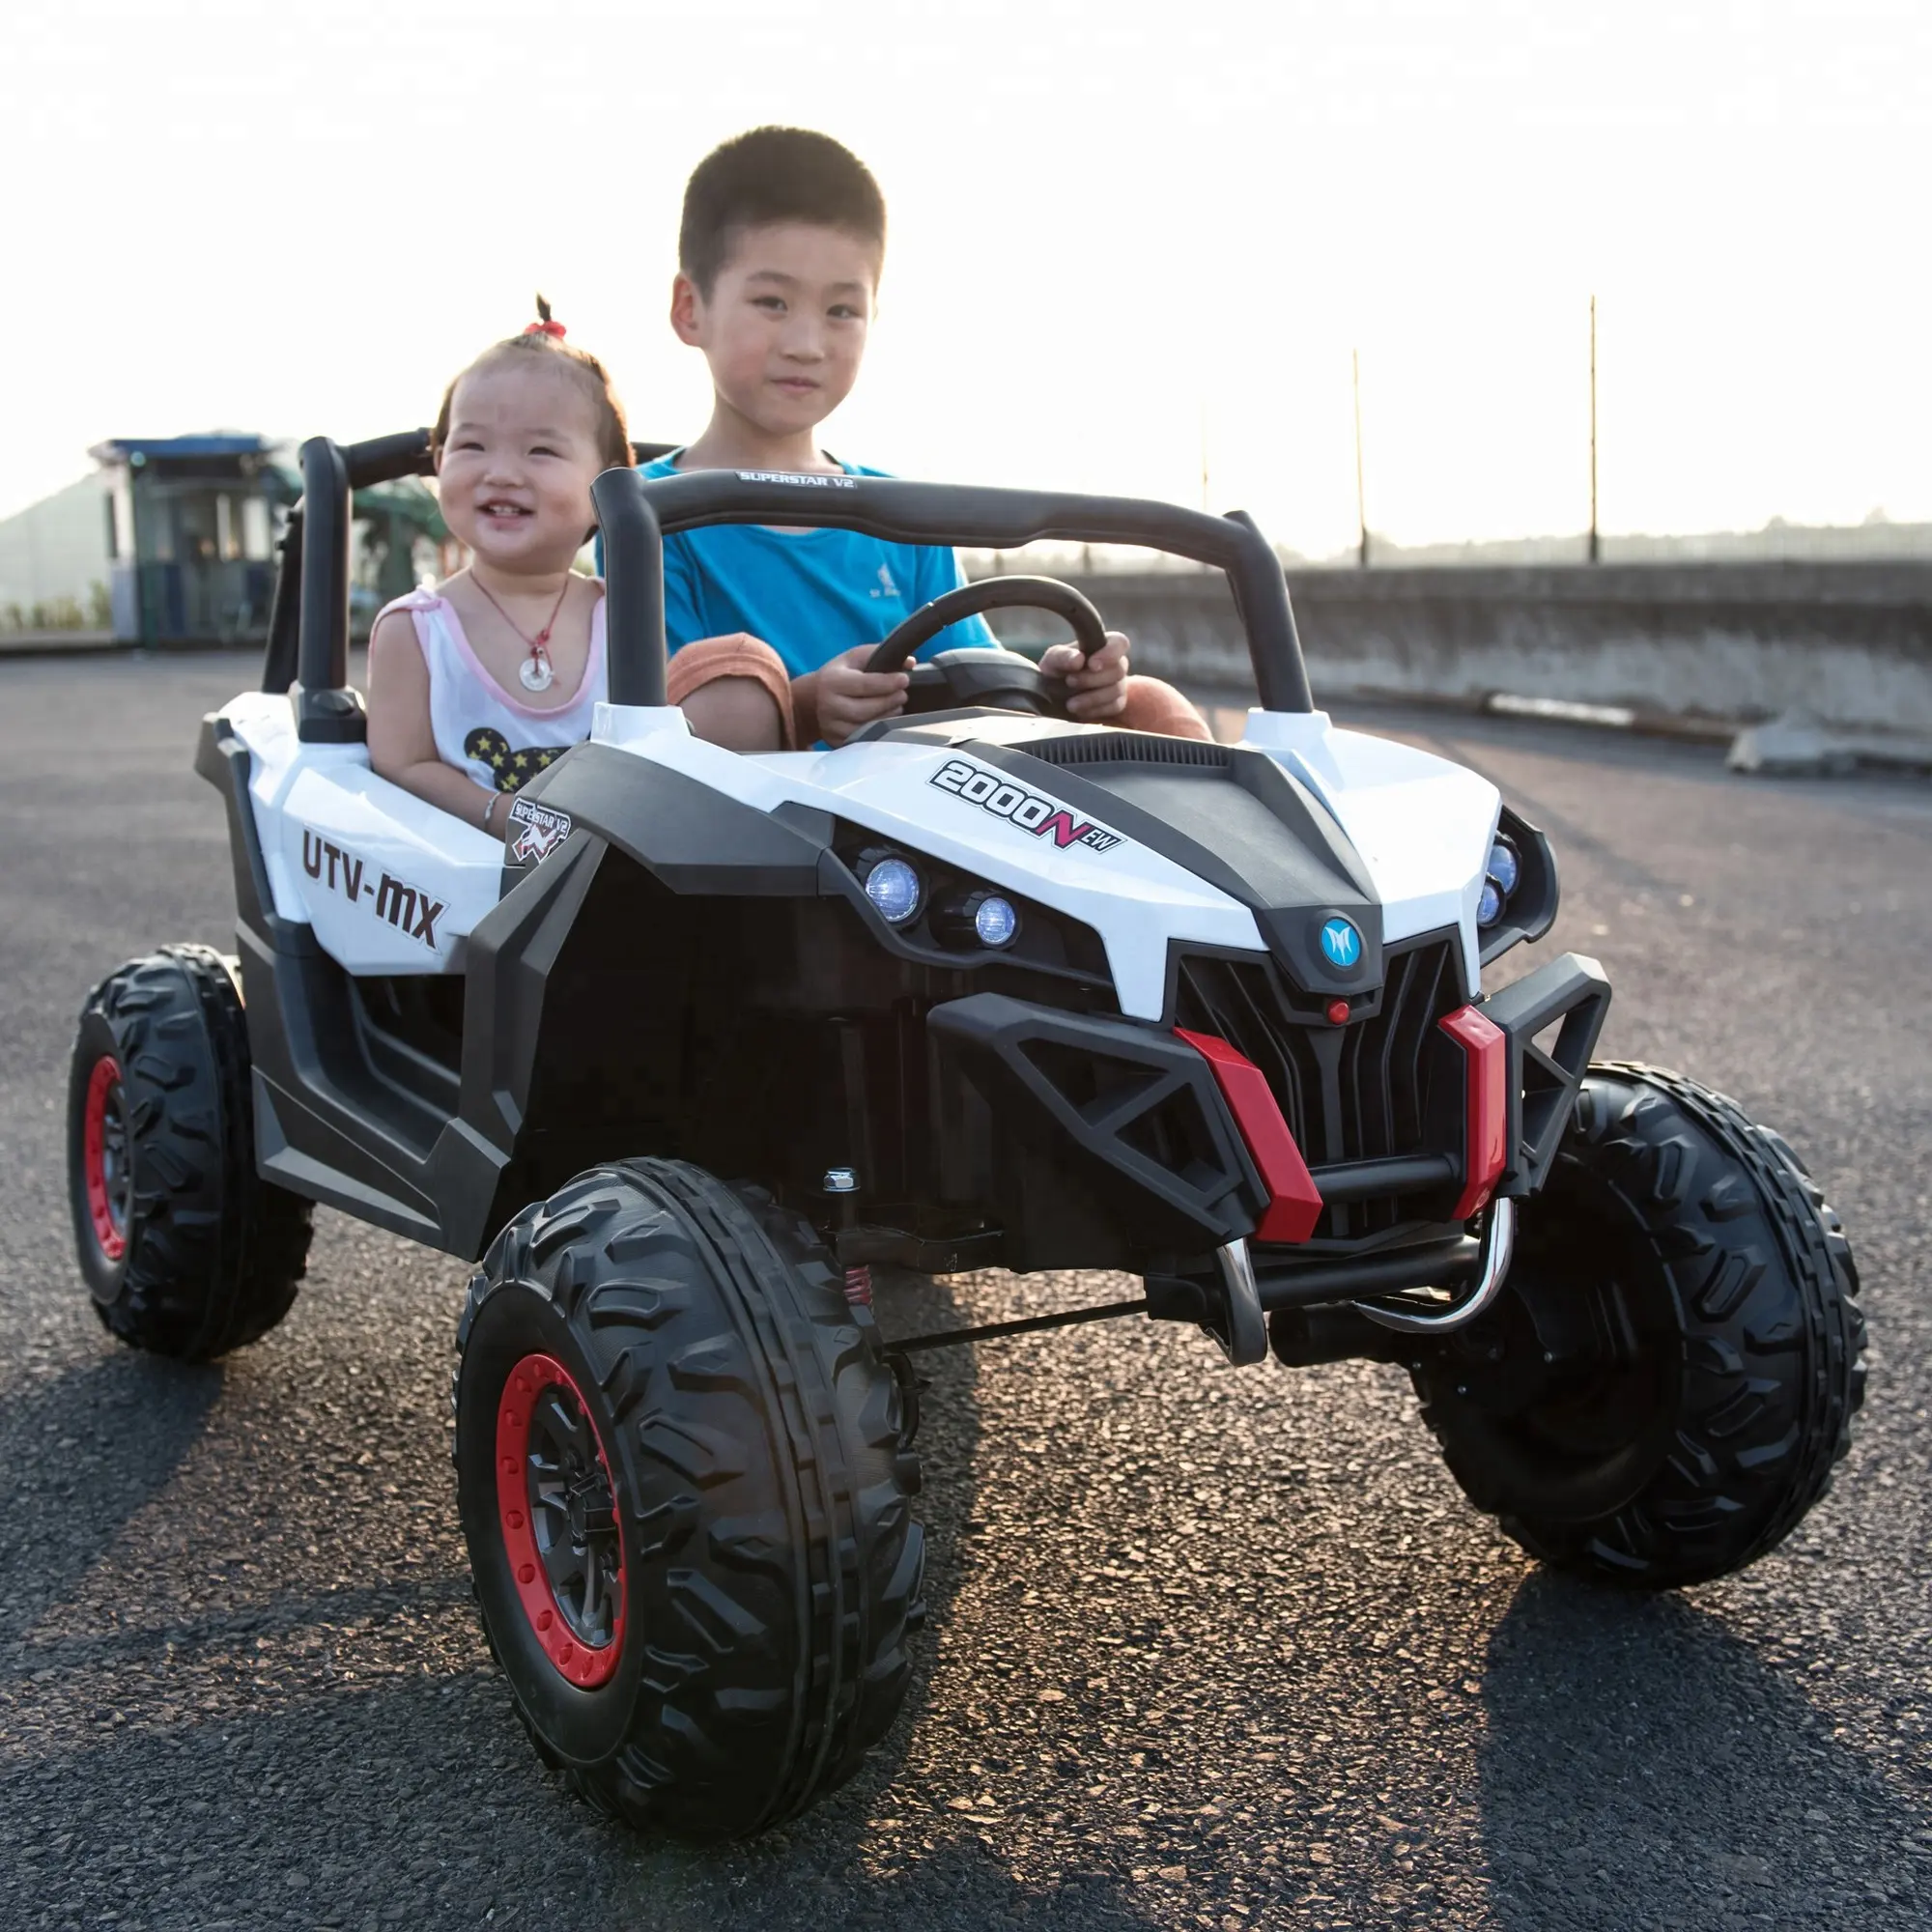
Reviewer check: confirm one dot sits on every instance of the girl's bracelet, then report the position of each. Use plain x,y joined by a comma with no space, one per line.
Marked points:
490,805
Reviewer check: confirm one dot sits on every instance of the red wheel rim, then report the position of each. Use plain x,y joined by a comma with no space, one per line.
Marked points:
557,1507
103,1152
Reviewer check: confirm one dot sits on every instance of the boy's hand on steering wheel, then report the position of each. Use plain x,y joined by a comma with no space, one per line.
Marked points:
844,695
1096,689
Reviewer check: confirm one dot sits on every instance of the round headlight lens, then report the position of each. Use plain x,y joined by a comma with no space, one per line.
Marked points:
1505,867
895,891
995,921
1489,906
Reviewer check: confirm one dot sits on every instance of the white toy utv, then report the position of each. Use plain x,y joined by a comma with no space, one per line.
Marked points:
981,988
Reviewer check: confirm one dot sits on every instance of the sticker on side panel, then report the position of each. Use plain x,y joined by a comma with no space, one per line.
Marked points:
1043,817
535,832
408,908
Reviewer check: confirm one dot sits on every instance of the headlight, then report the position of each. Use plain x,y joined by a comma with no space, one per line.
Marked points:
977,917
995,921
935,912
1490,904
1505,867
894,889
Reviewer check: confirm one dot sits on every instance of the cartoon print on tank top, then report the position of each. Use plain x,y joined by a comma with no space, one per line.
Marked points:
478,727
512,770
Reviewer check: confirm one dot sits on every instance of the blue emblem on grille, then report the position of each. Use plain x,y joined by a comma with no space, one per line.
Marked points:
1341,943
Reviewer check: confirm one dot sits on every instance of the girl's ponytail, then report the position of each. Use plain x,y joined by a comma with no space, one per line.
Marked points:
545,336
543,325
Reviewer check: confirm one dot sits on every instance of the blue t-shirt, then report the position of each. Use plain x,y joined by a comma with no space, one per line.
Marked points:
810,594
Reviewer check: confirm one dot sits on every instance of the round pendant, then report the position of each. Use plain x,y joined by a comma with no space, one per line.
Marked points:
536,674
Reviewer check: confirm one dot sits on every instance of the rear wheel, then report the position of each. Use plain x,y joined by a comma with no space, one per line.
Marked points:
1665,1383
684,1485
185,1249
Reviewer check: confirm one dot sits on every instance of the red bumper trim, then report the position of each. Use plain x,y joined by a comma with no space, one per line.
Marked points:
1295,1203
1486,1088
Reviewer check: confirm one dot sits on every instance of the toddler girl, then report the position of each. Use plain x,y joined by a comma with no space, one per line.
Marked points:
475,686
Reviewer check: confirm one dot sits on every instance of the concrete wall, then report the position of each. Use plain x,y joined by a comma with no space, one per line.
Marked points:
54,551
1849,642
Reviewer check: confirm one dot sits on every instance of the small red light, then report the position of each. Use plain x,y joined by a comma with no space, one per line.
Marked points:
1338,1012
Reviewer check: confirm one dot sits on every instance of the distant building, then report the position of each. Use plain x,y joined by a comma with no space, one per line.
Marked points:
190,529
173,541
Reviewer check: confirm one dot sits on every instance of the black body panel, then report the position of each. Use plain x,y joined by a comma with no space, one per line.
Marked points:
688,836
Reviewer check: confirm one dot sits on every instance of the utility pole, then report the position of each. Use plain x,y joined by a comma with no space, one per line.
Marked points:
1596,545
1361,500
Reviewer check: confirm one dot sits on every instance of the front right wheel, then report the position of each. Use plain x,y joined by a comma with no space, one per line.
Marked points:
1665,1383
682,1479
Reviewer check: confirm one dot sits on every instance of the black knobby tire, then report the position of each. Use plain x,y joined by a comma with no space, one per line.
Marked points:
1670,1375
751,1442
185,1249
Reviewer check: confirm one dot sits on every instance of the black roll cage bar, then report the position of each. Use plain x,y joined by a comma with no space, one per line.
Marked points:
308,626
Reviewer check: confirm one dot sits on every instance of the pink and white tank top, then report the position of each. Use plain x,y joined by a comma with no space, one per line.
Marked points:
480,728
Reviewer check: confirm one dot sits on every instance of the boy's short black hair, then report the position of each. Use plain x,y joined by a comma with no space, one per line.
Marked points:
770,174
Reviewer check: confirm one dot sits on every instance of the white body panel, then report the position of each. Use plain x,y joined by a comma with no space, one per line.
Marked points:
392,885
1422,825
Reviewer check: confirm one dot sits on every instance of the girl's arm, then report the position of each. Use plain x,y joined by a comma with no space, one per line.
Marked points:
402,745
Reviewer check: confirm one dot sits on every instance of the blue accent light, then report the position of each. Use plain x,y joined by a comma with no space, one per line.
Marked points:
895,891
1341,943
1489,906
995,921
1505,867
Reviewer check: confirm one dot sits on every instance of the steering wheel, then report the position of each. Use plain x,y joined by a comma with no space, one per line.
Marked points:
976,674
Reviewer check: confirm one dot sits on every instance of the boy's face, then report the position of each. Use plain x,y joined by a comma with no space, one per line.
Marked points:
784,328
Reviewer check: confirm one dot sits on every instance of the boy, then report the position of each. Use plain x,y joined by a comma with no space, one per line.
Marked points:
780,249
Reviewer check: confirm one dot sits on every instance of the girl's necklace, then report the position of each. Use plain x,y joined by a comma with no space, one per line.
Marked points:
534,671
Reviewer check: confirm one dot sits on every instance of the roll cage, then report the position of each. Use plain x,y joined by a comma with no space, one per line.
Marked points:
308,629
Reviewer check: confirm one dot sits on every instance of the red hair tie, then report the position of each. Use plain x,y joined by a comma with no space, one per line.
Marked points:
555,328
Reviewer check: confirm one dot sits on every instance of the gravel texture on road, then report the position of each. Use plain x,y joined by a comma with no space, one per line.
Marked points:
1208,1648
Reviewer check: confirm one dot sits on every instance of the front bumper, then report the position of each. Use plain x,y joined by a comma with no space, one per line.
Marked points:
1118,1144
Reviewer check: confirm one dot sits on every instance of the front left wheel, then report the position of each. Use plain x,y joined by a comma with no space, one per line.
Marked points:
682,1479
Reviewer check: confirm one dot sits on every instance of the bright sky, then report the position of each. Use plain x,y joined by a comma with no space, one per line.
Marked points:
1115,226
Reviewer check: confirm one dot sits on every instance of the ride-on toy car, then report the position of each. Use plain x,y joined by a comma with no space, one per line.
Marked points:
711,1035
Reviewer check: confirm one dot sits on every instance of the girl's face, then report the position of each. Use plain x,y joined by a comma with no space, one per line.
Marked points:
518,464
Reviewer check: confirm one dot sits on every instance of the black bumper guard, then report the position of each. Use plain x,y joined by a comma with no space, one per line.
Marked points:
1544,1081
1130,1113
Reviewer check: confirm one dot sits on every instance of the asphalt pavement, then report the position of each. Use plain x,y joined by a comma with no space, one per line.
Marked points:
1209,1648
